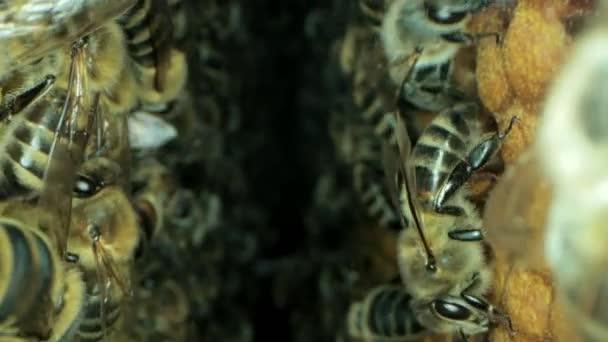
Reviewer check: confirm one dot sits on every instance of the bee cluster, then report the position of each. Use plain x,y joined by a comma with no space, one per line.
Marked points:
113,183
448,157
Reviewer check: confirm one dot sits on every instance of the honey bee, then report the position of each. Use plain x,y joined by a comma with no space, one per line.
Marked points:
384,315
440,251
420,40
575,166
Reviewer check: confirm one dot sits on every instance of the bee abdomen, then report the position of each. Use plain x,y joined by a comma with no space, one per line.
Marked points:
384,312
373,11
93,327
26,270
25,151
369,186
444,146
375,114
148,31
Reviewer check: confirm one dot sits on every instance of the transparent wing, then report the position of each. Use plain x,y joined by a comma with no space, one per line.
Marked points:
30,29
407,179
67,150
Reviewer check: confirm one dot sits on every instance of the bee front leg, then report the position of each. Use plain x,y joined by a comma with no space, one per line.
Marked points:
463,336
469,39
477,158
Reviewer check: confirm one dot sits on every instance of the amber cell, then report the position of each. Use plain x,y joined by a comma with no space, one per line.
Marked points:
512,78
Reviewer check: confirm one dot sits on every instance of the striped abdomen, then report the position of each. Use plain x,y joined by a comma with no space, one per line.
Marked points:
373,12
383,313
429,88
363,150
148,29
25,147
95,323
27,267
375,114
369,184
459,140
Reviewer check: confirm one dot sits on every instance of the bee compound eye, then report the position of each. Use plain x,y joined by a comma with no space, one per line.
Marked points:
451,311
85,187
443,16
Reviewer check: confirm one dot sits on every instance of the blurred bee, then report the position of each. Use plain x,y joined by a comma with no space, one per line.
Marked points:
575,165
160,69
358,146
154,188
440,251
373,12
104,236
162,312
178,11
424,36
384,314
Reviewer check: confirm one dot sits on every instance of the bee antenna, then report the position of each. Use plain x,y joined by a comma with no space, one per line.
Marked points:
430,258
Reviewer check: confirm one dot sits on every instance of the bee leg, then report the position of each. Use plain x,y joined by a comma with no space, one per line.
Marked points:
466,234
463,336
490,310
467,38
455,93
479,156
19,102
485,176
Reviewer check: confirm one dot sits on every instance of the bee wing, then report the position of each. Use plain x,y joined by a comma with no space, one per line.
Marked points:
30,29
391,163
512,224
67,150
406,177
